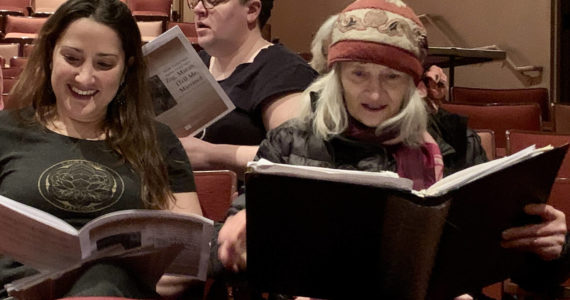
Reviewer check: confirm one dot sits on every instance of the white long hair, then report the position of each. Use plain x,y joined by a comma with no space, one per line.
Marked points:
320,45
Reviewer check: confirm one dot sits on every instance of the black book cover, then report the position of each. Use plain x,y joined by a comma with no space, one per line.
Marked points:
310,237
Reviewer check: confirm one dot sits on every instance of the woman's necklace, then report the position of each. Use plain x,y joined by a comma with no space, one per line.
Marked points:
60,128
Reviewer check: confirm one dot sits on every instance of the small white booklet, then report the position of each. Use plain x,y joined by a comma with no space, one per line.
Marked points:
186,96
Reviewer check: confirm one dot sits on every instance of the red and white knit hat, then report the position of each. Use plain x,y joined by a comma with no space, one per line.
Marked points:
385,32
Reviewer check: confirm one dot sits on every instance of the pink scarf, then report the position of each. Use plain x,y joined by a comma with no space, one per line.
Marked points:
423,165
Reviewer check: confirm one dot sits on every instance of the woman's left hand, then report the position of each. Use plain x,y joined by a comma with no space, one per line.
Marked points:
545,239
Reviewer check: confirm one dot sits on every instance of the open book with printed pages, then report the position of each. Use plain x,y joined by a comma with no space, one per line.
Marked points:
185,95
344,234
50,245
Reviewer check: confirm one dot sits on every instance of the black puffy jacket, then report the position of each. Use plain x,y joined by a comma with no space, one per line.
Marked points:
294,143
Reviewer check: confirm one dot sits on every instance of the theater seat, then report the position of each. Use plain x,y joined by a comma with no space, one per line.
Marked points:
520,139
481,95
16,7
22,30
216,190
18,61
46,8
155,10
11,72
188,28
499,118
8,83
19,27
561,114
149,30
27,50
8,50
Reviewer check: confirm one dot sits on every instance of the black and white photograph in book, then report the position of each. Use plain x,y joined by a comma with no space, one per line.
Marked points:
161,97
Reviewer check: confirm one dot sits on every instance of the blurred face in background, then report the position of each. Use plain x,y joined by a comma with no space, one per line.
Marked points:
223,27
373,93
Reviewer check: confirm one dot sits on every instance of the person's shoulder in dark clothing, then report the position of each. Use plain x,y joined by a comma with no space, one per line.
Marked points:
460,146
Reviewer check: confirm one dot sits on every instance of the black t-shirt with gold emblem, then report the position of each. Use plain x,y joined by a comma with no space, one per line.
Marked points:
77,180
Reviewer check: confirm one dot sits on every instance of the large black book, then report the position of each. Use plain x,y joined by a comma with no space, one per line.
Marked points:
343,234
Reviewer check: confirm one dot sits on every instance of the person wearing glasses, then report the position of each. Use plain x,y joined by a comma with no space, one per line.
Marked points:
262,79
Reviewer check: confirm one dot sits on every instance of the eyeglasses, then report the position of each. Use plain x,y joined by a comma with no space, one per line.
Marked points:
208,4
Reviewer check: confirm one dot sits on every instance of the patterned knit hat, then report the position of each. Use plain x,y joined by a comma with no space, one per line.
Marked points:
385,32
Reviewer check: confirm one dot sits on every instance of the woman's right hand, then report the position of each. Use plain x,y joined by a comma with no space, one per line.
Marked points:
232,242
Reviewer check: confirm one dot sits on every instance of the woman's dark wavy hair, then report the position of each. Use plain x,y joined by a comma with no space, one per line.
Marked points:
129,124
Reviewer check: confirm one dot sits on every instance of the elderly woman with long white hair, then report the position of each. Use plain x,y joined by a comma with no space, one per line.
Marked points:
368,113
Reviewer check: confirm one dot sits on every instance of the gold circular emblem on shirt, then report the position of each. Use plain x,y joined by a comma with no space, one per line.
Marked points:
81,186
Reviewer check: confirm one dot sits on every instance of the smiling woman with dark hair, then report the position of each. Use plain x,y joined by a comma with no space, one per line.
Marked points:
85,142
